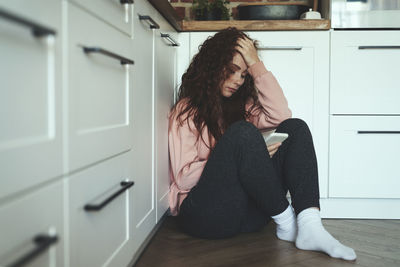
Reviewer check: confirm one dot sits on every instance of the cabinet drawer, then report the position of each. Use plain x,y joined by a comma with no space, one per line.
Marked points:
364,72
100,89
364,156
97,236
33,215
30,94
117,13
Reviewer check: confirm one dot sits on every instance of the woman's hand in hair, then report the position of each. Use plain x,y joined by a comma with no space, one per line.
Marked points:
248,51
273,148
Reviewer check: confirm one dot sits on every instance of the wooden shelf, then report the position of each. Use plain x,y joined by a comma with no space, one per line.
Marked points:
257,25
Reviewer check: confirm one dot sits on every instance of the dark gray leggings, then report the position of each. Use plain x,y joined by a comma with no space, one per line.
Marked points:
241,186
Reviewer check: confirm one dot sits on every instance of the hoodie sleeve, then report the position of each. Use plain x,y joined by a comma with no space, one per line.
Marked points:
186,165
274,104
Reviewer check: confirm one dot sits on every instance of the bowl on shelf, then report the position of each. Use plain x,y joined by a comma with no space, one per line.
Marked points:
271,11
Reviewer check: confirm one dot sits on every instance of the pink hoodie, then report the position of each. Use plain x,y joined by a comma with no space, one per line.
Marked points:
188,154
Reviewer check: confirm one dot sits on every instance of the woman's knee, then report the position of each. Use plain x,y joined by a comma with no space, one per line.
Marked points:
293,125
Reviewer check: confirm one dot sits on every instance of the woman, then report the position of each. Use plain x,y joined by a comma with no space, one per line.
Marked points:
224,179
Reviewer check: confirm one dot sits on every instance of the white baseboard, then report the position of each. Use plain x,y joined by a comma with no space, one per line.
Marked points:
360,208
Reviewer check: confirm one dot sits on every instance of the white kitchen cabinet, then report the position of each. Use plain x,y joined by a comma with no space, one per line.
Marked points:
300,62
363,161
364,124
30,95
364,72
164,71
142,121
33,224
100,86
101,212
118,13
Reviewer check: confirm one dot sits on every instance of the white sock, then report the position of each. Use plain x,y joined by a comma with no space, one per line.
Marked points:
286,228
313,236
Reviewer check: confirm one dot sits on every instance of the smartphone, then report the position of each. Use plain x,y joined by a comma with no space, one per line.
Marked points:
274,138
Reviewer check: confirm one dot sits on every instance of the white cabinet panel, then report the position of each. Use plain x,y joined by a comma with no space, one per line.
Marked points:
30,96
36,214
364,72
364,157
98,236
117,13
300,62
165,64
46,13
99,89
142,119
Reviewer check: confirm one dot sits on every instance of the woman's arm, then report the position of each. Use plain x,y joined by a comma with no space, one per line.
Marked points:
186,166
274,104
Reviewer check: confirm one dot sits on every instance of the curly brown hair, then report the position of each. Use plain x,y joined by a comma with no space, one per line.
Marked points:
200,87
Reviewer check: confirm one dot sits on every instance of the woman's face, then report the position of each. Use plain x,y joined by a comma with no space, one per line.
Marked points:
236,79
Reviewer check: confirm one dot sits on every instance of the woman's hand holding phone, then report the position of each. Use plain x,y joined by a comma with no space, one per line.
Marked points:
273,148
274,140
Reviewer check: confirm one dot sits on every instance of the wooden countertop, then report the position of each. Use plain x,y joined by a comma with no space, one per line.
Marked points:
257,25
168,12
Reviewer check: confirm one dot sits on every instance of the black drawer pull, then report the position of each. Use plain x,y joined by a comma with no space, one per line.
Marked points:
42,242
153,24
123,2
97,207
102,51
280,48
378,132
169,38
380,47
37,30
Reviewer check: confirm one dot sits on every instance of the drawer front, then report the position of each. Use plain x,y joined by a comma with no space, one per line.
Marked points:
30,94
364,72
115,13
97,236
35,214
364,156
99,90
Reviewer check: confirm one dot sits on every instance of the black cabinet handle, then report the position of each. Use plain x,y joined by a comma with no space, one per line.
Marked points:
380,47
102,51
153,24
378,132
169,38
42,242
37,29
97,207
279,48
129,2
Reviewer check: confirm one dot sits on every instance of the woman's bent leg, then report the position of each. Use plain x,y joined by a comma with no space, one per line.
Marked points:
296,163
238,169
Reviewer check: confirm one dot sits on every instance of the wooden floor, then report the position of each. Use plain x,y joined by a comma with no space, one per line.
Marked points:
376,242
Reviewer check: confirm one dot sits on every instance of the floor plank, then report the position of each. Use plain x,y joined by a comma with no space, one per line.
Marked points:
376,242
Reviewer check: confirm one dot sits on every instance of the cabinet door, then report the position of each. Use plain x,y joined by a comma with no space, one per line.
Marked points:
142,121
364,72
163,101
364,157
99,90
300,62
33,225
100,211
30,95
118,13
